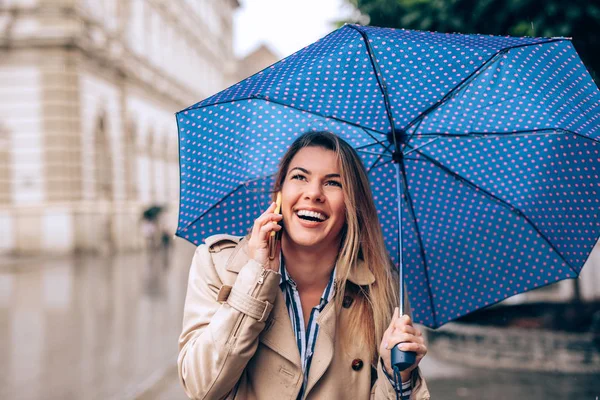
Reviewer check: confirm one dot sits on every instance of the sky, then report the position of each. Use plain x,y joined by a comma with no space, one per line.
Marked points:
285,26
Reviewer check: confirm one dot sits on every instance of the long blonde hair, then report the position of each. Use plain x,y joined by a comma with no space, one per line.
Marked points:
362,240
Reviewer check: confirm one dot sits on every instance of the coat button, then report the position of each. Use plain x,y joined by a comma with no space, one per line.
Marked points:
357,364
347,302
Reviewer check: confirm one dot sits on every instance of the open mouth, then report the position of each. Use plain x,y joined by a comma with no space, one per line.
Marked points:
312,216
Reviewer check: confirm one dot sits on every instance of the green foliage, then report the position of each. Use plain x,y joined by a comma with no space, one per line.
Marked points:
578,19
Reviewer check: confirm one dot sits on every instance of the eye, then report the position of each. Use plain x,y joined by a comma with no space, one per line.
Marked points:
300,177
333,183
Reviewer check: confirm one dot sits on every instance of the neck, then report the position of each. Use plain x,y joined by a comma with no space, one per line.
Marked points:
311,267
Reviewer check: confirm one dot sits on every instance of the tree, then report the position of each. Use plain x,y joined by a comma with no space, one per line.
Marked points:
578,19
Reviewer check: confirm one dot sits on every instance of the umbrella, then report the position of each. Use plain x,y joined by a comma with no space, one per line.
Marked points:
482,151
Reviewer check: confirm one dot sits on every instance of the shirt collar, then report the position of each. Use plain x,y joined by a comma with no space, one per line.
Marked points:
329,291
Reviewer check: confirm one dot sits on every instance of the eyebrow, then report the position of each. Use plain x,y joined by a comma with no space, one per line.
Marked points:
309,173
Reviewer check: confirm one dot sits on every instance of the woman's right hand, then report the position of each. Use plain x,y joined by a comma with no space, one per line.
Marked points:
258,245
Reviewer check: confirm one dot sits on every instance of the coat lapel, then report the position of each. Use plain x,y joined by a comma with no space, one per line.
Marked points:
278,335
324,347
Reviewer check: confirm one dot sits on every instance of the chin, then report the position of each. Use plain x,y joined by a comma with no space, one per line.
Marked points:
306,240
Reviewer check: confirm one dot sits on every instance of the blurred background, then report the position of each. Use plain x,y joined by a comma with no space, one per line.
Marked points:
92,281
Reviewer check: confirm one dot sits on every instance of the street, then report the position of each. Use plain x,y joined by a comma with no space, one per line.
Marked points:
89,327
92,327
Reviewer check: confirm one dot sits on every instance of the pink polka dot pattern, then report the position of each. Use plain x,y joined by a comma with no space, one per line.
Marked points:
502,159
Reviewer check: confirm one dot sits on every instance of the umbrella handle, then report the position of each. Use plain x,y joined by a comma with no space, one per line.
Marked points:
401,360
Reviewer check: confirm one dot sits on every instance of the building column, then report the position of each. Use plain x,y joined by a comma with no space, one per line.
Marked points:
61,143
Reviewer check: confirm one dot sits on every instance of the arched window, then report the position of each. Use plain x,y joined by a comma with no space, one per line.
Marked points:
130,155
151,165
103,162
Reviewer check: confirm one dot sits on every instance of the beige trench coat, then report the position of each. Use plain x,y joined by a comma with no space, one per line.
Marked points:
237,340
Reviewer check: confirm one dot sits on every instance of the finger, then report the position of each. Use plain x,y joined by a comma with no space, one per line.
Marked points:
405,329
258,222
390,328
271,207
267,214
420,349
264,218
266,229
402,321
400,337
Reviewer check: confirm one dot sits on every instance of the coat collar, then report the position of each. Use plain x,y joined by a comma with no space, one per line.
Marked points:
278,334
359,275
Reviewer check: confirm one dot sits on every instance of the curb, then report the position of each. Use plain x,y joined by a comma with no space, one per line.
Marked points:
517,348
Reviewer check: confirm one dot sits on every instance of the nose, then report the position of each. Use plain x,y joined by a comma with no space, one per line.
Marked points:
314,192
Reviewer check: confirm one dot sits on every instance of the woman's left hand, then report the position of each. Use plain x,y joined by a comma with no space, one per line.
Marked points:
401,330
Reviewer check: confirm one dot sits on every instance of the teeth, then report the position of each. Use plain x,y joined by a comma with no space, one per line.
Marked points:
312,214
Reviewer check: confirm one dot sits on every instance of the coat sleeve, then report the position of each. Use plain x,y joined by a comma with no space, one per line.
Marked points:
221,325
383,389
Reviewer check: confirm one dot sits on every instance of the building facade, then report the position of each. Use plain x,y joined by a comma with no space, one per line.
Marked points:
88,92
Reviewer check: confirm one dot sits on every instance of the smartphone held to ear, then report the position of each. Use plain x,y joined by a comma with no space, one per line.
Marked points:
275,236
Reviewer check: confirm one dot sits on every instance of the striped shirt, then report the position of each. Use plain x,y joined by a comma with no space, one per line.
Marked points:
305,338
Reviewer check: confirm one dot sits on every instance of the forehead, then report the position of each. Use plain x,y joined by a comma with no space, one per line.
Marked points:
316,160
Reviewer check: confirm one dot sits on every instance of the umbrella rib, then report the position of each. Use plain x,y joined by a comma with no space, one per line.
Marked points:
379,158
381,164
421,146
263,98
358,148
378,77
380,155
498,200
372,137
369,152
419,239
472,76
482,135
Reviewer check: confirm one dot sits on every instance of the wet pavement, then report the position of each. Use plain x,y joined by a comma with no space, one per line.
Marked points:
90,327
451,382
106,328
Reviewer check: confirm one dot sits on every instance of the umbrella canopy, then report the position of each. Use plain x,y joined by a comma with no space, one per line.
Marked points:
496,143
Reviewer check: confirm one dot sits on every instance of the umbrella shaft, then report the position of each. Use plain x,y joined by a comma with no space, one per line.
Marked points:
399,187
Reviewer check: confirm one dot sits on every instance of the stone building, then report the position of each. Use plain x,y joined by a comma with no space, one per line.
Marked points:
88,92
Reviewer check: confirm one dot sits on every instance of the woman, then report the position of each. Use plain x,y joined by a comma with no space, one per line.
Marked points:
318,320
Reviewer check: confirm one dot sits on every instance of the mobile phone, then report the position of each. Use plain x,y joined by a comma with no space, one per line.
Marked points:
275,236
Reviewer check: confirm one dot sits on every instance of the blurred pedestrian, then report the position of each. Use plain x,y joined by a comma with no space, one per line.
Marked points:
149,231
313,320
165,243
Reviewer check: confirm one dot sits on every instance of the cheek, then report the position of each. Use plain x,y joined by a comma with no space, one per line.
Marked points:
339,208
288,198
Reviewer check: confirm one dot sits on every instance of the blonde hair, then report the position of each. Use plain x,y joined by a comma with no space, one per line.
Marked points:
362,240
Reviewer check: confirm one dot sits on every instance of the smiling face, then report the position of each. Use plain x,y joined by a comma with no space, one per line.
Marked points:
313,207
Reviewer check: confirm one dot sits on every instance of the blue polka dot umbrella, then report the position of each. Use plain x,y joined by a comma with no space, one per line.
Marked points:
487,147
